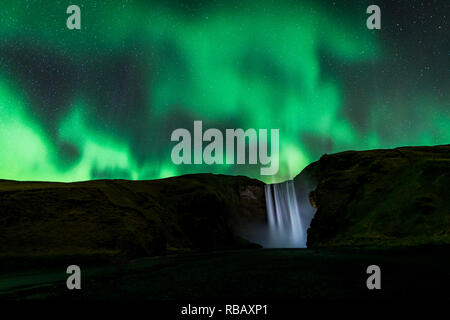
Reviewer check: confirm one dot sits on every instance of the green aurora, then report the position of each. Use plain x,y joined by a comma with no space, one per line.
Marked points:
101,102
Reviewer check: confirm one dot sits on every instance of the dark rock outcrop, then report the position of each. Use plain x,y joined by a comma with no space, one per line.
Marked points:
380,198
119,218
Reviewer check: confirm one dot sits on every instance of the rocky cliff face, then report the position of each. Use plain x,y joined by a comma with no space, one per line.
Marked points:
111,218
380,198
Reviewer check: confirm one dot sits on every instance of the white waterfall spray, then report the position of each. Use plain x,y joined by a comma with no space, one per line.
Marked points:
283,213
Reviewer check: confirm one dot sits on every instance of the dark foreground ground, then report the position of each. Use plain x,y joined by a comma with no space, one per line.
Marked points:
258,275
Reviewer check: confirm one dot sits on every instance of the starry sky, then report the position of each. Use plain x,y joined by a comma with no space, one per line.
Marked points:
101,102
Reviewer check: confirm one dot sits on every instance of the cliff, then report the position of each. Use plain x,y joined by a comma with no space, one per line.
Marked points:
376,198
380,198
117,218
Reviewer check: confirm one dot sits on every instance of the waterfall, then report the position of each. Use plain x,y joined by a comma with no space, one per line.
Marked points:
286,228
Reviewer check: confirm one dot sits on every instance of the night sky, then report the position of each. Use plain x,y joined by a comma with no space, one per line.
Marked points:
101,102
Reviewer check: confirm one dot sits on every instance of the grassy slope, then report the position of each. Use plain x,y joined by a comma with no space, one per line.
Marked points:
115,218
381,198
